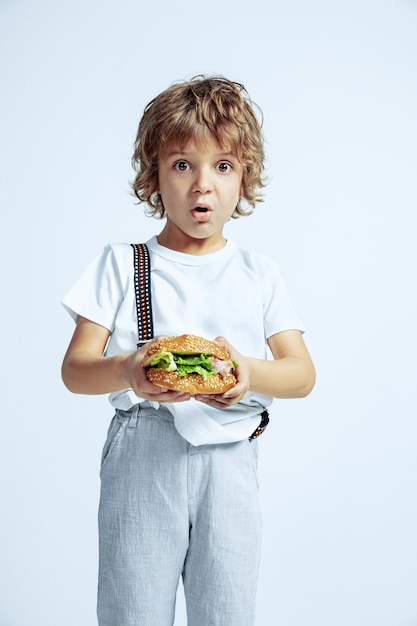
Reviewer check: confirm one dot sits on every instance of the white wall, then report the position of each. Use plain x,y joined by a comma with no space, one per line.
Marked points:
337,84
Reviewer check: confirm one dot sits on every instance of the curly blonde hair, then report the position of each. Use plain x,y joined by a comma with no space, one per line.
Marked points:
201,107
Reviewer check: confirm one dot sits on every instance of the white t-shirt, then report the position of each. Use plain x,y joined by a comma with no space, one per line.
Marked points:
231,292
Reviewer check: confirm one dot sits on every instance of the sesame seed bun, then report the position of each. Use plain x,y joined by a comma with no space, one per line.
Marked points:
185,344
192,383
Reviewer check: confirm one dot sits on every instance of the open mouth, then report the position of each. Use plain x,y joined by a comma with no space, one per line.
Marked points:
201,213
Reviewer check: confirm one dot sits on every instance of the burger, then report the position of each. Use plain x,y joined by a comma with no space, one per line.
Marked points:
190,364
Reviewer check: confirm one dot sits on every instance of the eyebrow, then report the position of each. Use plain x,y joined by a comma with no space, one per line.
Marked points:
172,153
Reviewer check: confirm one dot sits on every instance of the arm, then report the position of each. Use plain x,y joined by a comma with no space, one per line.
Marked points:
290,374
86,370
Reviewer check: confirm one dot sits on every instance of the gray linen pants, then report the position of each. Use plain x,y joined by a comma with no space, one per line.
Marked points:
168,509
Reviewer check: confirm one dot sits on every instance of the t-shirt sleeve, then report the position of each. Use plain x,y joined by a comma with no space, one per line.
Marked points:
279,311
98,292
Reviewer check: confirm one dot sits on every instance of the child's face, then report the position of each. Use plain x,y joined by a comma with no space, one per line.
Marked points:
200,186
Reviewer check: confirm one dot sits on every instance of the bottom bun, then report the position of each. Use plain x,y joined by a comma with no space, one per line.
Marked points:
192,383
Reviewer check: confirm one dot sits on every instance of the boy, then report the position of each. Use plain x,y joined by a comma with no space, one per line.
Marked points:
179,492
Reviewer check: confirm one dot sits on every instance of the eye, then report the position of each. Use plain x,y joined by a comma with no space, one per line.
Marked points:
224,167
181,166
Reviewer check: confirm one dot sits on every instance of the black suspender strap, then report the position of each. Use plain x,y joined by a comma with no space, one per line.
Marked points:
142,279
262,425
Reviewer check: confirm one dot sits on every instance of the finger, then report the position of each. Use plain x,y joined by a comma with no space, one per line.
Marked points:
238,391
216,401
169,396
176,396
222,342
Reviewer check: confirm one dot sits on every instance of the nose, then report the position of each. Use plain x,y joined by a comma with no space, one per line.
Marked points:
202,182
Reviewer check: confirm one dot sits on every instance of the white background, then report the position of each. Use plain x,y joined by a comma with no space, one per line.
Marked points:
337,84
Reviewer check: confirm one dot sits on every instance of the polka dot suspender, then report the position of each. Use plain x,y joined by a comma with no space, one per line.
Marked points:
262,425
142,278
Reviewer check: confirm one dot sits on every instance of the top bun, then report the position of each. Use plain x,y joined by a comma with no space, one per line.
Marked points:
185,344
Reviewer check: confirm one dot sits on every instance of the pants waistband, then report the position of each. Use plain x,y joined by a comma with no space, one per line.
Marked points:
146,409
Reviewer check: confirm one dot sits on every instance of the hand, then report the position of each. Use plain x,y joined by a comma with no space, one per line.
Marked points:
238,392
136,374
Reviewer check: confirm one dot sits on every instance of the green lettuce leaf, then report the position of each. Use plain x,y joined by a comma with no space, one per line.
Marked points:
194,364
184,364
165,361
184,370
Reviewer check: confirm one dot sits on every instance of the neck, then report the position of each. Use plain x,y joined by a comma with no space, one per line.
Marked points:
189,245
